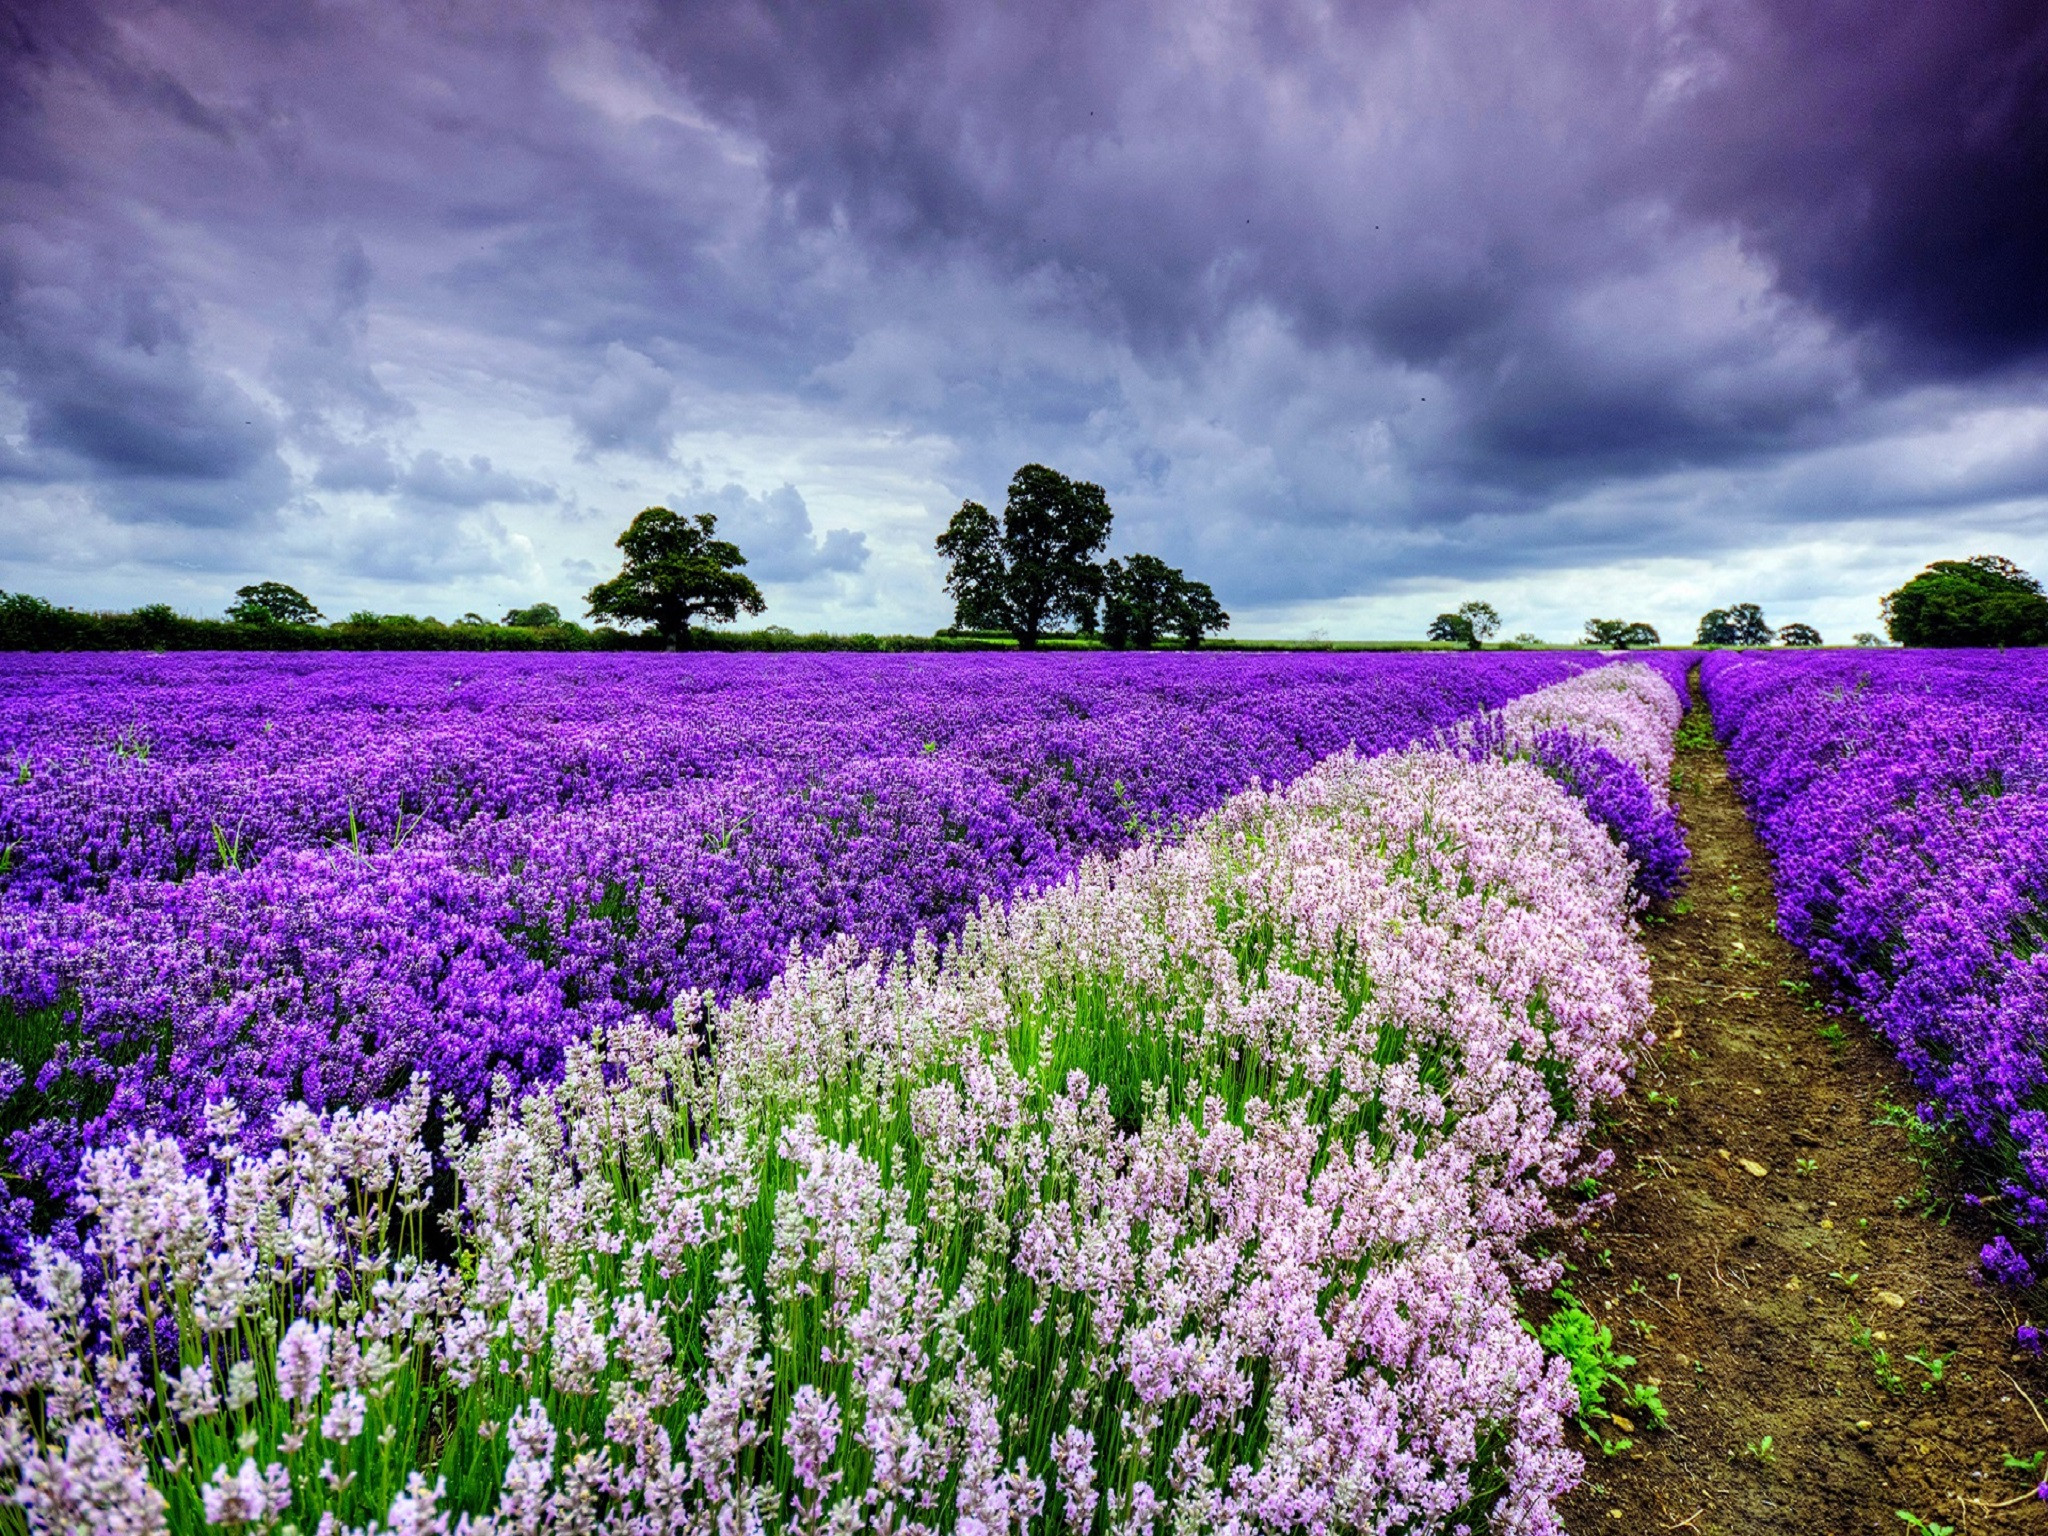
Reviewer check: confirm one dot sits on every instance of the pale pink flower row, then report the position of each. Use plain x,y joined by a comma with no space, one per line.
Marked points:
1625,707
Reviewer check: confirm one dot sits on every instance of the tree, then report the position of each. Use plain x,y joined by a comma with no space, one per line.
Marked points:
978,576
1471,624
1799,635
1053,528
1525,638
1484,621
539,616
1619,634
1865,638
1196,612
1985,600
1742,625
1139,601
272,602
1041,565
676,570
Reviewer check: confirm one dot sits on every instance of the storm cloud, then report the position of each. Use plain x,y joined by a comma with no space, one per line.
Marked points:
1347,306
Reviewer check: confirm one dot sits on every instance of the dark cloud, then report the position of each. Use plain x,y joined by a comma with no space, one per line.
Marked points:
1331,298
774,533
1892,160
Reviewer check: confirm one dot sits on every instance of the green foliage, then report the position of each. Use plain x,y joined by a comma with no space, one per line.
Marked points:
676,570
1197,613
272,602
1053,528
1453,629
1587,1346
977,573
1802,635
1924,1527
1619,634
1984,600
1138,600
1880,1360
1038,566
1146,598
1473,623
1695,731
1741,625
539,616
1482,617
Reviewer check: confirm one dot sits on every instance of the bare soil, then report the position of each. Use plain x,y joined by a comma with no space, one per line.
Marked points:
1773,1229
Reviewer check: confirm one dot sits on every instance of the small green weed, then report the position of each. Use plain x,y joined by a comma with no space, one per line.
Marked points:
1936,1367
1760,1451
1931,1144
1695,731
1880,1360
1925,1527
1587,1345
1806,1166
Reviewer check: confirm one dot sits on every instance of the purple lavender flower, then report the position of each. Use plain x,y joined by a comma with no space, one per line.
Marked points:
2007,1265
1904,799
273,878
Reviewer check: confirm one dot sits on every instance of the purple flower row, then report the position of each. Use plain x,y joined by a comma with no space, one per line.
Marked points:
1904,799
305,878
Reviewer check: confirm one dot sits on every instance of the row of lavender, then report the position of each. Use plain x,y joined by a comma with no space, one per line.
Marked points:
1904,799
1190,1195
289,877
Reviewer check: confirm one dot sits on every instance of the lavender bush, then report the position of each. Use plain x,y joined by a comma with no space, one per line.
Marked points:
1904,799
306,878
1189,1195
1606,736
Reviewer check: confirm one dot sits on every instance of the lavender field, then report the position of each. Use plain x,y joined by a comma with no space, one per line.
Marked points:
1904,799
731,1094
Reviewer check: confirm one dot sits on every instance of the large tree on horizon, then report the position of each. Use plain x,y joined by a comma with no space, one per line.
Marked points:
676,570
1144,597
1741,625
1039,567
1984,600
272,602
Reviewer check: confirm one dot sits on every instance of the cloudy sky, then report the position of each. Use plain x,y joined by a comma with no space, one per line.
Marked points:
1618,307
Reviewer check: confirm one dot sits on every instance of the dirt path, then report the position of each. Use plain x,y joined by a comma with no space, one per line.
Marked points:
1771,1237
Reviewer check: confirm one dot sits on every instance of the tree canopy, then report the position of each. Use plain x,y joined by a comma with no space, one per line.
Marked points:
1453,628
1473,623
1984,600
1741,625
1038,566
1197,613
1799,635
1138,600
272,602
1053,528
978,574
1144,598
1619,634
676,570
539,616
